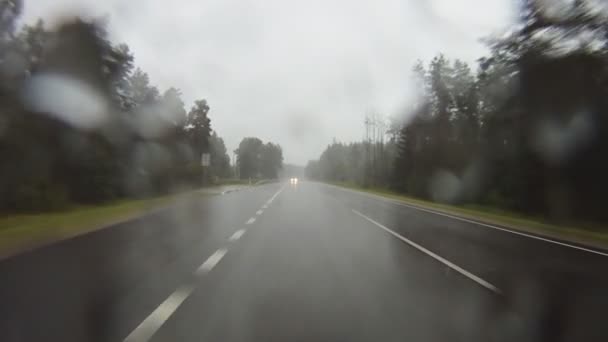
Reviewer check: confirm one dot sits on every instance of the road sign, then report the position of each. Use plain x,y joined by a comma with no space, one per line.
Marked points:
205,159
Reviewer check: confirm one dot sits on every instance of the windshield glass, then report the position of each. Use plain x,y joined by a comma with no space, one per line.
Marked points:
287,170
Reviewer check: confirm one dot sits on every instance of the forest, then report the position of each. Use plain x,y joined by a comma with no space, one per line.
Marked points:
80,123
523,129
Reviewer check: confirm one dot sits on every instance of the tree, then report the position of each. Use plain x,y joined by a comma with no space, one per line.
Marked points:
10,10
271,160
32,40
248,156
258,160
220,161
119,65
173,106
142,92
527,131
198,127
313,170
414,154
50,160
440,79
564,51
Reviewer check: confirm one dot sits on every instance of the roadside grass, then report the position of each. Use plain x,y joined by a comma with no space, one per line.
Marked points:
22,231
577,232
253,181
233,181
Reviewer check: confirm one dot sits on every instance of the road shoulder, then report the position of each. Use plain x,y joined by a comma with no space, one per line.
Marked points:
571,235
26,232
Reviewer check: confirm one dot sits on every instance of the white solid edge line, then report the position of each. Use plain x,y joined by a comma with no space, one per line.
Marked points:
448,263
237,235
250,221
265,206
259,212
477,223
146,329
509,231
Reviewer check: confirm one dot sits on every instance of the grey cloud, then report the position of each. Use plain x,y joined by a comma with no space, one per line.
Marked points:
293,72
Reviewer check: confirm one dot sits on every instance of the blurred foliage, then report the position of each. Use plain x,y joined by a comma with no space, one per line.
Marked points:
145,144
526,131
257,160
220,161
366,163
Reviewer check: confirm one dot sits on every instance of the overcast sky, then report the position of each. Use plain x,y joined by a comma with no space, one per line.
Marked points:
298,73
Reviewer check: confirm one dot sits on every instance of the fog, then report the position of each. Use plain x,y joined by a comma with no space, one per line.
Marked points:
297,73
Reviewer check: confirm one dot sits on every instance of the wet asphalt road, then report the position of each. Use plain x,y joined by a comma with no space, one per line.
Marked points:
306,262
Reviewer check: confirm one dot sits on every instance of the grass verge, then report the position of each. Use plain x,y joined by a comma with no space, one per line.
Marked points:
232,182
23,231
585,234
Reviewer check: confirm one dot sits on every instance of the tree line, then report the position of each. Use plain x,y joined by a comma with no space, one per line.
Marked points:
79,123
524,129
257,160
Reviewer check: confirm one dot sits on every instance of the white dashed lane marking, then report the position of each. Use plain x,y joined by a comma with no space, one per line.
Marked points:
146,329
152,323
237,235
211,261
275,195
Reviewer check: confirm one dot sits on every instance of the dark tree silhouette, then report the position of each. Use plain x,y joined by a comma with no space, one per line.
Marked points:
526,131
143,144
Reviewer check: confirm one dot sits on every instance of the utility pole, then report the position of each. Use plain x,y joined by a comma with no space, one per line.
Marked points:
381,159
367,150
374,147
235,164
